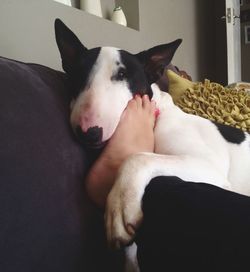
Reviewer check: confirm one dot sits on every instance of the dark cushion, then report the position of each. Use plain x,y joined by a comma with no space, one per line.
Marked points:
47,222
191,226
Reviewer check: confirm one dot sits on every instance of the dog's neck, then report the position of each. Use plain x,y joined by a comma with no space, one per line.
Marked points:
164,101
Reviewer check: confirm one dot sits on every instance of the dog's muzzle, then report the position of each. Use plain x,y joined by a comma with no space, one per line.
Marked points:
92,137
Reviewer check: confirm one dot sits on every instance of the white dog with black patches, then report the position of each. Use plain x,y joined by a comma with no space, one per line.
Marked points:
187,146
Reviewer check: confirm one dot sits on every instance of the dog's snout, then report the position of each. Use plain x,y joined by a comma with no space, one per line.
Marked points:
92,137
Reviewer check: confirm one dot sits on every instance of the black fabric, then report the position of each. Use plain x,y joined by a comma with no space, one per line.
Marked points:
193,227
46,221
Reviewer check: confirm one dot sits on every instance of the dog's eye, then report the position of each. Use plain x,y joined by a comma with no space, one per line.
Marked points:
121,75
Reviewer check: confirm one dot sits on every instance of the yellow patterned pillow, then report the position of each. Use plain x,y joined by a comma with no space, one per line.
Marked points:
213,101
177,84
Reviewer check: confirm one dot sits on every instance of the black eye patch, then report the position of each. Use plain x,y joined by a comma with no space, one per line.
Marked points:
120,75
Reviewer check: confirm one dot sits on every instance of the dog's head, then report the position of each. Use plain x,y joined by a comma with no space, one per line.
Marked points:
104,80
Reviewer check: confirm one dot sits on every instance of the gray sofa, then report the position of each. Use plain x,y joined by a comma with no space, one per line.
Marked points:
47,222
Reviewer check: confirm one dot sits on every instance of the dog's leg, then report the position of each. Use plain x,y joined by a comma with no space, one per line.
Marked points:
123,209
131,263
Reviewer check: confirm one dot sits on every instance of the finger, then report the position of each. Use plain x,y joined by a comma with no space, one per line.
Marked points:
138,100
146,102
132,105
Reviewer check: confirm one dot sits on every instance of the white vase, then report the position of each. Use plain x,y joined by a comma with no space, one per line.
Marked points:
91,6
65,2
118,16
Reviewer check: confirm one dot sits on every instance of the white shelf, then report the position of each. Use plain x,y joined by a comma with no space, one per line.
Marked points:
130,9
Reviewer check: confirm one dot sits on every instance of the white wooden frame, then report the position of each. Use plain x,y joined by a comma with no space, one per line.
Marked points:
233,41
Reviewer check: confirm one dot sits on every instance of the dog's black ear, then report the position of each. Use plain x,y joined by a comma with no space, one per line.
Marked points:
155,59
69,46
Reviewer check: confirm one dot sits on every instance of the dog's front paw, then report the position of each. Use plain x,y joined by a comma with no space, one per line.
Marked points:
123,212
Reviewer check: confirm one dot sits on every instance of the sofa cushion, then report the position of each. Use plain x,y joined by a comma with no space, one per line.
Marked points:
229,106
47,222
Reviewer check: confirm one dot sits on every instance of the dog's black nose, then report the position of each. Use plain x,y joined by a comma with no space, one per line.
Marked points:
92,137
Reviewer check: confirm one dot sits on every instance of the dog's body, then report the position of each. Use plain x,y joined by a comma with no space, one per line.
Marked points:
187,146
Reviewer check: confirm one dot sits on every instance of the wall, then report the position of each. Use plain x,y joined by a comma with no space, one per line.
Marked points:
27,34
